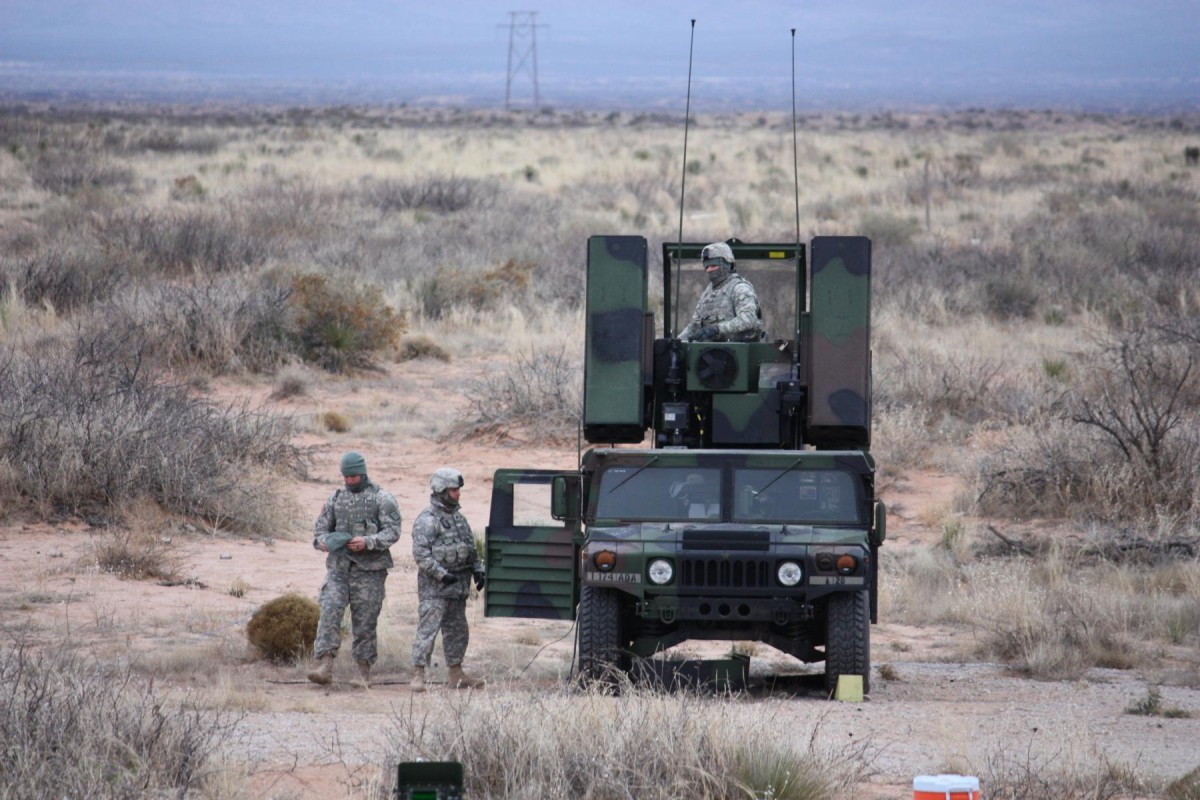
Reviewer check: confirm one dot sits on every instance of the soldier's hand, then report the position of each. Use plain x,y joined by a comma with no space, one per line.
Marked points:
357,544
708,333
449,579
480,579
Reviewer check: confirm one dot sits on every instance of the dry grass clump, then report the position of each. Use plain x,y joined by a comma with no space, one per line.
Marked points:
637,744
1068,776
1186,787
284,629
441,194
135,555
86,730
414,347
1052,613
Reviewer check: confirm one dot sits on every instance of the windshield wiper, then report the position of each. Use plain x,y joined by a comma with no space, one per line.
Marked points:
631,475
788,469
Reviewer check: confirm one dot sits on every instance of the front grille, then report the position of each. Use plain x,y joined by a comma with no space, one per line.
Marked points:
726,540
722,573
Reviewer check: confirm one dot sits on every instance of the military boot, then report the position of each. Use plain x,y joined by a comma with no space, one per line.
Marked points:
418,681
363,681
457,679
323,674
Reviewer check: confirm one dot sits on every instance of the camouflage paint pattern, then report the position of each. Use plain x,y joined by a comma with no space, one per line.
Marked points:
531,568
442,545
616,309
355,579
838,349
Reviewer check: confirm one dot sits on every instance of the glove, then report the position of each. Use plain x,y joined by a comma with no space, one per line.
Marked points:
480,579
449,579
708,333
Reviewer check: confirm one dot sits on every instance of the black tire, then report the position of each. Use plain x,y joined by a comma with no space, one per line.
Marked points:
599,633
848,639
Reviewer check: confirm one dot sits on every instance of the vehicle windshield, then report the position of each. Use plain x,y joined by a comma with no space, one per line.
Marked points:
659,493
797,495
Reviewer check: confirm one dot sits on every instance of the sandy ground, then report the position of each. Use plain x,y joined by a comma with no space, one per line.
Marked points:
933,714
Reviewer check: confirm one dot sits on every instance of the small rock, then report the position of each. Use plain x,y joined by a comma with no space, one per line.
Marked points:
226,556
54,553
165,540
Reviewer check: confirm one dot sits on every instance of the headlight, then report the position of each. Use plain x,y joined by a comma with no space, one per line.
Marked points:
661,572
789,573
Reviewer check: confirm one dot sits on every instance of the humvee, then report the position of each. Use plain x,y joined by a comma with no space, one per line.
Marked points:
729,494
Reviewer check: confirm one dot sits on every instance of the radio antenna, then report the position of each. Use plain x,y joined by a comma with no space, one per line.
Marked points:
796,174
795,146
687,115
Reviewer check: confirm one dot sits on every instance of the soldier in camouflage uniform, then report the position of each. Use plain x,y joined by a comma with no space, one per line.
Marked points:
356,527
728,311
447,562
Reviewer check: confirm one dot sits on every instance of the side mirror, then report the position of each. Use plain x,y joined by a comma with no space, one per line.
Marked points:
879,529
564,497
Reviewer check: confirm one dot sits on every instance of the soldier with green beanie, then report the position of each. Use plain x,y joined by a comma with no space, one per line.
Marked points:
356,527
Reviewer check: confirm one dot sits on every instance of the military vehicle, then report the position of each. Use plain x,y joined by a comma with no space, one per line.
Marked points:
730,494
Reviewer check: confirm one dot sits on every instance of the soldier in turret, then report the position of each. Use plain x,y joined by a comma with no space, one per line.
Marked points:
728,310
447,562
356,527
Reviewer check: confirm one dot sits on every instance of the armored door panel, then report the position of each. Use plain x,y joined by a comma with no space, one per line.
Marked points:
530,555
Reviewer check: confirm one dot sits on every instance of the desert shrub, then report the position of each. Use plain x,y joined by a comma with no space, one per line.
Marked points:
438,193
286,211
91,731
637,744
285,628
222,324
540,390
64,276
88,429
887,230
1124,446
160,140
335,422
1126,249
181,242
69,171
414,347
341,326
484,290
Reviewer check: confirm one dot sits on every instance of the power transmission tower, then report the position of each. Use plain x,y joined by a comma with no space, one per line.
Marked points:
522,52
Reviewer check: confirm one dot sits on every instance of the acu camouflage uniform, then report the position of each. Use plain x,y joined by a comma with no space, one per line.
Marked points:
355,579
443,544
730,306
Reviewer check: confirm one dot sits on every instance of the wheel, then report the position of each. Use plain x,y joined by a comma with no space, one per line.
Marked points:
848,639
599,633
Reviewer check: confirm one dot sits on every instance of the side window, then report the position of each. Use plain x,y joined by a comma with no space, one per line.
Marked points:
531,506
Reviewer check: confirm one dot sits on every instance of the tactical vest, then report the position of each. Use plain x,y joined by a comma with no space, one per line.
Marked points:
357,514
453,545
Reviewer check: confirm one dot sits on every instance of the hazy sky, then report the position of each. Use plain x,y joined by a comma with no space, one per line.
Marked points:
1099,54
